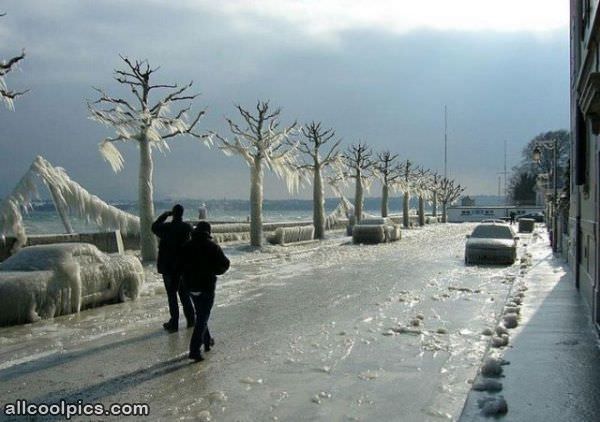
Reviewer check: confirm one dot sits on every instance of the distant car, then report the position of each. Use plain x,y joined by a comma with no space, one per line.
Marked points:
491,243
50,280
537,216
495,220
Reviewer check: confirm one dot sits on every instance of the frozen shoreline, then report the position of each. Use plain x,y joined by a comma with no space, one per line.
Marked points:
291,323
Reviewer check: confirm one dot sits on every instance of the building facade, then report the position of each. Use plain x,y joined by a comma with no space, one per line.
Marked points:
582,251
463,214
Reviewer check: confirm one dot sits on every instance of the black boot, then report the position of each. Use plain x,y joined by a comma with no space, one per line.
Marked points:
197,357
170,327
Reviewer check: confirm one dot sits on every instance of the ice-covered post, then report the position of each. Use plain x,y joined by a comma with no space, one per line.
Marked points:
315,138
388,172
448,193
262,144
358,160
147,124
6,66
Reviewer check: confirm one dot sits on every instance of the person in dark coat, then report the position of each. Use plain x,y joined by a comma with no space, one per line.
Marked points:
201,261
172,236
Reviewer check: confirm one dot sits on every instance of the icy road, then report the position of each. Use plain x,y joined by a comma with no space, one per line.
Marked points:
313,332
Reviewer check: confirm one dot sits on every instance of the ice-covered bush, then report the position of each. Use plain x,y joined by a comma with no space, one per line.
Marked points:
230,237
368,233
285,235
392,232
231,228
375,231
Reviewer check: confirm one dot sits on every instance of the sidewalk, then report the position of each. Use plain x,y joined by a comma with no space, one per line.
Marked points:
552,370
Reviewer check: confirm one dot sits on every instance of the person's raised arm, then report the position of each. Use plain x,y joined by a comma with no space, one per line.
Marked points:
158,225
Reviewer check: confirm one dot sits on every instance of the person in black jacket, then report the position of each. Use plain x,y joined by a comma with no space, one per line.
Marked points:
201,261
172,236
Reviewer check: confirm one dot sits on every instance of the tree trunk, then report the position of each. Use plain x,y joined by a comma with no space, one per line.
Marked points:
318,204
434,206
358,197
60,208
405,219
146,203
444,216
384,200
256,203
421,211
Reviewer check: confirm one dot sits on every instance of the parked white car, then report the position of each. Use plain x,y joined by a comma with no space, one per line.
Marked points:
51,280
491,243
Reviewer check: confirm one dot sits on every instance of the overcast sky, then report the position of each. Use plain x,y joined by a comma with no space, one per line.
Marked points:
380,71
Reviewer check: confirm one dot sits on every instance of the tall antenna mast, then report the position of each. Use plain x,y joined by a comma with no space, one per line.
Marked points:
445,141
505,173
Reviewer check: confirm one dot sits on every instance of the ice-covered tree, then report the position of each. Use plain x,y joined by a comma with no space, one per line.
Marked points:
405,184
316,161
262,143
422,185
433,189
448,193
6,66
387,171
358,160
149,123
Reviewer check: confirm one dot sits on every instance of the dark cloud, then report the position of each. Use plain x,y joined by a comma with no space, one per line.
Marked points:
386,89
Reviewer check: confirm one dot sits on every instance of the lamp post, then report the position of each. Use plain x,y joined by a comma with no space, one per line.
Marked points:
552,145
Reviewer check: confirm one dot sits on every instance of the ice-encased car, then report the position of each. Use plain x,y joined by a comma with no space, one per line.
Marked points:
58,279
491,243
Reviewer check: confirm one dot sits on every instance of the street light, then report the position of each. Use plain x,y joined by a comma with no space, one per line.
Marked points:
551,145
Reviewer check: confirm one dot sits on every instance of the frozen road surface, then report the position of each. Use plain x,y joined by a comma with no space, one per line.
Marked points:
327,332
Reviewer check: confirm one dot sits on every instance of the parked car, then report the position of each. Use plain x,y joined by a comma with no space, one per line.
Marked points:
537,216
49,280
491,243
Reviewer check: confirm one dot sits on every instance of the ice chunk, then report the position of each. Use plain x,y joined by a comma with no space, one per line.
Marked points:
492,367
501,329
416,322
510,320
500,341
487,385
512,310
491,406
204,416
368,375
487,332
217,397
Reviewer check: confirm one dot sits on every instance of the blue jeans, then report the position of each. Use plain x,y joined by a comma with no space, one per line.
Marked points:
173,285
203,303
